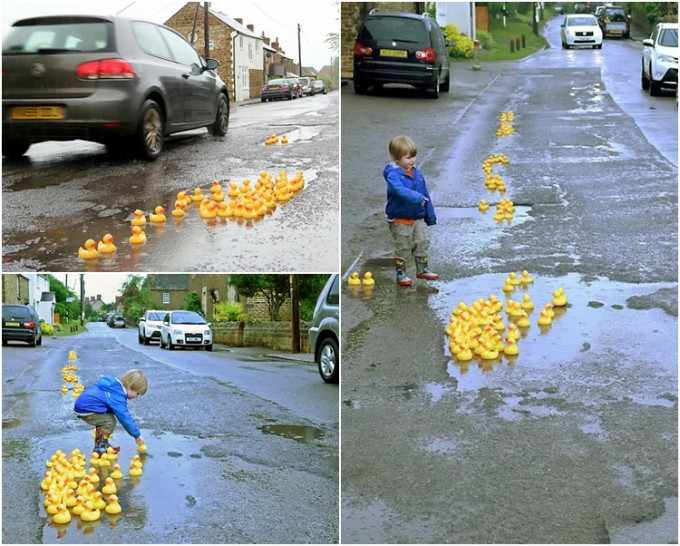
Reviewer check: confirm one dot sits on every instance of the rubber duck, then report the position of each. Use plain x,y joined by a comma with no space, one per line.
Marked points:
197,197
489,353
135,469
513,279
218,196
79,508
483,205
368,279
62,516
109,487
111,454
559,298
104,460
98,500
89,250
138,236
142,448
116,474
527,304
525,278
513,332
93,475
157,215
284,139
548,308
464,354
233,190
183,197
523,321
178,211
224,211
511,349
209,211
64,389
90,513
94,459
216,187
544,319
354,279
106,245
113,507
507,287
138,218
248,212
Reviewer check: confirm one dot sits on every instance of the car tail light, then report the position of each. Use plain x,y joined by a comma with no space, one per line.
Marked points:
429,55
106,69
361,50
30,324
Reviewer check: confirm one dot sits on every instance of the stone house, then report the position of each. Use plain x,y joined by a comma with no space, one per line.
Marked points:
30,289
168,291
15,289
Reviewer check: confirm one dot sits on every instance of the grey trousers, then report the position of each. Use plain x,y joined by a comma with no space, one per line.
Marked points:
410,239
106,422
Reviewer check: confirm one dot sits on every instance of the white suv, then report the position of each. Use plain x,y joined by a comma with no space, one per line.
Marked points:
185,329
150,326
660,58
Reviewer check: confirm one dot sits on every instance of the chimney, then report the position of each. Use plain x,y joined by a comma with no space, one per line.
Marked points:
251,28
239,21
99,296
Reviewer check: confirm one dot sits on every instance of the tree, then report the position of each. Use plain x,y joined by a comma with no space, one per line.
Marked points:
135,297
193,302
274,288
67,309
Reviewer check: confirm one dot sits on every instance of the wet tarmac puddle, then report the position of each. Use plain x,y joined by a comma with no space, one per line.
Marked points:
300,433
304,133
170,484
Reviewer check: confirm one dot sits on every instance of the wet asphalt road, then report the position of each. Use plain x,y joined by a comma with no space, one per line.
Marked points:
242,448
64,193
574,440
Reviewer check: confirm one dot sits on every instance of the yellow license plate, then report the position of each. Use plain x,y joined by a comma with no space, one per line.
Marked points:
12,324
274,88
37,112
394,53
615,31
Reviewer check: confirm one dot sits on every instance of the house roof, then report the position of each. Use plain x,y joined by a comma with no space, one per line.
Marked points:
168,282
233,23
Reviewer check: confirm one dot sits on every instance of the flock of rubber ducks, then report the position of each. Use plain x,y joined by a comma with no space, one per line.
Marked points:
274,139
505,127
505,208
70,377
246,201
480,330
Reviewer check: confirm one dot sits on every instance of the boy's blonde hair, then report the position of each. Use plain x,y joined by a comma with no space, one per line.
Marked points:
402,146
135,380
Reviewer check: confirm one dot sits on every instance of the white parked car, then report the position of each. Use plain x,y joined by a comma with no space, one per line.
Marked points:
660,58
149,328
186,329
581,29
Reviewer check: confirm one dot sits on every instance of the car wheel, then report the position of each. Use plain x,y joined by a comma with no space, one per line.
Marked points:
263,99
151,131
328,360
170,344
39,341
219,128
4,343
14,149
644,81
434,90
654,87
140,339
162,344
208,347
33,342
447,83
147,341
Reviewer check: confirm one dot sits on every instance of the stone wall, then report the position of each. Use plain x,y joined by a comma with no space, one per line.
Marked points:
272,335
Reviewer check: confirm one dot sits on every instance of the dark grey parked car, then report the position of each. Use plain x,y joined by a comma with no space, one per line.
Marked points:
324,332
20,323
113,80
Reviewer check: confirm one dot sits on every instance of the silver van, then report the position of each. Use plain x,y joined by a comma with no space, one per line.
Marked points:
324,331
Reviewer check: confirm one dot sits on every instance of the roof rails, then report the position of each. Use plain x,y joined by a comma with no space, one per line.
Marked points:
376,10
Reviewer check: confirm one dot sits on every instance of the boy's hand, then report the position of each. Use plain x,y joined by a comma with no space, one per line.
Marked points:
425,200
140,440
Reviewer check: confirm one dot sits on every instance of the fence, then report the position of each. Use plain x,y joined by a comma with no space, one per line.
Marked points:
273,335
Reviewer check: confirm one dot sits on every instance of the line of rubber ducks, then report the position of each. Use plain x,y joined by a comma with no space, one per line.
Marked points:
477,329
70,377
274,139
505,127
246,201
355,279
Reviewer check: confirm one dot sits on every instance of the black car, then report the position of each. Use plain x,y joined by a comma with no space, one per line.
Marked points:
116,320
113,80
20,323
279,88
614,21
401,48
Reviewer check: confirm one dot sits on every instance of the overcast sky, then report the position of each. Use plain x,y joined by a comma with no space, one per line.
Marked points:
107,285
276,18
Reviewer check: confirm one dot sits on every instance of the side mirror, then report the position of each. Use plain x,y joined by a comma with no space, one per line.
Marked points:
647,43
212,64
142,319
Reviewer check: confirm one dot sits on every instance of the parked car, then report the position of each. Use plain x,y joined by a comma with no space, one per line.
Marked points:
149,327
401,48
319,87
306,84
324,332
614,21
660,58
112,80
20,323
116,320
278,88
186,329
559,9
581,30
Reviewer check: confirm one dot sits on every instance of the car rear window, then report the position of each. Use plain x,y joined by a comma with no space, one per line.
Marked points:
397,29
581,21
58,35
15,313
669,37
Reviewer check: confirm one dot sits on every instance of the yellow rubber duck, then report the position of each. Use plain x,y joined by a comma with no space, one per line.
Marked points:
489,353
354,279
136,469
93,475
525,278
559,298
218,196
89,250
513,279
138,218
523,321
216,187
483,205
544,319
79,508
113,507
183,197
284,139
233,190
106,245
527,304
368,279
109,487
116,474
512,332
62,516
142,448
198,196
178,211
464,354
64,389
157,215
209,211
138,236
223,211
90,513
511,349
249,212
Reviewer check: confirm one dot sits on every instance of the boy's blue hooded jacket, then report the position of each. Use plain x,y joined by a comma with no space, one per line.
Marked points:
108,396
405,195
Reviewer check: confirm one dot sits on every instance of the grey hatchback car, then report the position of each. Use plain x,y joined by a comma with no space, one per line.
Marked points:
324,332
113,80
20,323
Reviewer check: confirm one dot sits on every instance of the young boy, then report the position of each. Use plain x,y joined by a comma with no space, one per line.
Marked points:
102,403
409,209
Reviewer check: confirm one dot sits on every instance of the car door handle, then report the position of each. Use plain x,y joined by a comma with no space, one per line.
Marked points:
186,75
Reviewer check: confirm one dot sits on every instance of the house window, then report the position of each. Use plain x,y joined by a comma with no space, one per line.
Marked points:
250,51
240,40
166,298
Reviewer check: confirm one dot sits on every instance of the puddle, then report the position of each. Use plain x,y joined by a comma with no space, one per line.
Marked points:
599,315
661,530
300,433
520,215
297,135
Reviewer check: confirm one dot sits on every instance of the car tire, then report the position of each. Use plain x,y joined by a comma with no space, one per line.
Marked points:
328,360
644,81
208,347
221,124
654,86
263,100
14,149
150,135
434,90
140,338
147,341
170,344
33,342
447,84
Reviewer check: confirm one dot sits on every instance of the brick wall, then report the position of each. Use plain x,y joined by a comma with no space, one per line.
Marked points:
15,289
257,309
352,14
272,335
256,83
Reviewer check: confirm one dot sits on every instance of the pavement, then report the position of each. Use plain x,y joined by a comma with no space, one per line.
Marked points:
254,353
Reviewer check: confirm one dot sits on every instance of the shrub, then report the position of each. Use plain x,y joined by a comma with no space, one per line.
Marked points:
485,39
464,46
225,311
46,329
